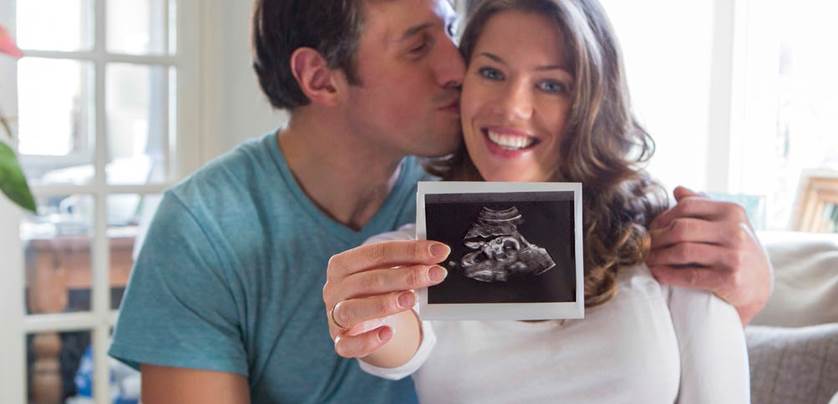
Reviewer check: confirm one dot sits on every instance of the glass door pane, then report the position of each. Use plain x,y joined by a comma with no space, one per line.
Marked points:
58,255
55,25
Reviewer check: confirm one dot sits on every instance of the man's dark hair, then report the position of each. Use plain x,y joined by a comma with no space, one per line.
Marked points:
332,27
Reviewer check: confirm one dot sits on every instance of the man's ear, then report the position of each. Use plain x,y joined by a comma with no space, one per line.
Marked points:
317,81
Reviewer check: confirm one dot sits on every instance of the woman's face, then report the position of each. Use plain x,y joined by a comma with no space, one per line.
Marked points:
516,98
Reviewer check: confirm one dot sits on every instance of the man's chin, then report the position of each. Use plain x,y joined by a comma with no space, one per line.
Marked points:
443,150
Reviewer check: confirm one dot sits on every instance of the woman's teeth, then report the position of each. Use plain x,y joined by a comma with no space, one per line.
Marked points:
511,142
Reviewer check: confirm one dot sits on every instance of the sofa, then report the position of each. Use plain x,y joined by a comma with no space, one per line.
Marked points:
793,342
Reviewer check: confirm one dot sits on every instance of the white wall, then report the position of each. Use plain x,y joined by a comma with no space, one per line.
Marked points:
234,108
667,48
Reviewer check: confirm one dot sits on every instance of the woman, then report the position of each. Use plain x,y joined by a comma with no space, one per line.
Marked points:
545,99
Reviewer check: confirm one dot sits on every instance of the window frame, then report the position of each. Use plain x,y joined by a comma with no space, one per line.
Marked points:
184,156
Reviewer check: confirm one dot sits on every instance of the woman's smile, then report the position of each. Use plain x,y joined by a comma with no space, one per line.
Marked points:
509,142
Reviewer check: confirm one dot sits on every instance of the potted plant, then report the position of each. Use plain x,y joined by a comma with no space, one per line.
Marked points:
12,180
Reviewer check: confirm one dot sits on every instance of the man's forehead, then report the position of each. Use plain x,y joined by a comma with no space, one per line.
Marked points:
392,20
402,14
449,2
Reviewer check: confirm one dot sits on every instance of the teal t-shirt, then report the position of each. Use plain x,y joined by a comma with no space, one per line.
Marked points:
230,279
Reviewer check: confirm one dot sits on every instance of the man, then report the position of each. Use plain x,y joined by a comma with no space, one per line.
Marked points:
225,302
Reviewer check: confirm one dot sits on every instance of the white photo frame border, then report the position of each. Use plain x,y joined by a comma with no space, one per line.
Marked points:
503,311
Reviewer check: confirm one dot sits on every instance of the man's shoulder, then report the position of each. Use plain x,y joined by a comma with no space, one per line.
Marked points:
228,194
229,173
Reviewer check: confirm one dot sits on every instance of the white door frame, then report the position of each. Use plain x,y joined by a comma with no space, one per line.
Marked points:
185,158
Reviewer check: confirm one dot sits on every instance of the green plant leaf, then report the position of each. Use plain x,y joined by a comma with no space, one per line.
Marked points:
12,181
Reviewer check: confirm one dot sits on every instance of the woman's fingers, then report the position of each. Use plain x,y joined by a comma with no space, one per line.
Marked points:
359,346
384,255
381,281
351,312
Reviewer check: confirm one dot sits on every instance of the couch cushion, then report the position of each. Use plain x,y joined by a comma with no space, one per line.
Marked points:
806,279
793,365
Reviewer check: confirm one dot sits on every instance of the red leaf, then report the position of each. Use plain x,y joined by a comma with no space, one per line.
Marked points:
7,45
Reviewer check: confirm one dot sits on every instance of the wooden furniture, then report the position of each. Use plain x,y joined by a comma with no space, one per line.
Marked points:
55,266
818,195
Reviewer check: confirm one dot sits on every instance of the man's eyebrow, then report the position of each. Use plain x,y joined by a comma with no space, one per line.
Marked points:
500,60
415,30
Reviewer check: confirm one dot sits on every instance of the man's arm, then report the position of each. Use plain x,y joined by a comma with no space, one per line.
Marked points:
179,311
706,244
164,385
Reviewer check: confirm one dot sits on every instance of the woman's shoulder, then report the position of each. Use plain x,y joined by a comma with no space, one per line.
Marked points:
691,312
637,283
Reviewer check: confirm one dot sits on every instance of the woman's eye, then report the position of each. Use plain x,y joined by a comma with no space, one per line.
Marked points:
490,73
552,87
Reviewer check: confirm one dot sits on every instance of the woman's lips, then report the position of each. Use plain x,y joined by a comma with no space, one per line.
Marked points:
508,143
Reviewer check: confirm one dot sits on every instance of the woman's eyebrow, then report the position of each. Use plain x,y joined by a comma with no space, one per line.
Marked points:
492,56
500,60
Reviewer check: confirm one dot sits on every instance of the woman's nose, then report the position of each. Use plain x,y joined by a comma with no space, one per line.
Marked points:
516,101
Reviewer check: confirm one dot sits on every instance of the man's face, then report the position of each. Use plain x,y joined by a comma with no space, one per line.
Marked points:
410,73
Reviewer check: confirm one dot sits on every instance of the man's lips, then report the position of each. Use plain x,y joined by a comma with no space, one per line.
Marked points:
454,106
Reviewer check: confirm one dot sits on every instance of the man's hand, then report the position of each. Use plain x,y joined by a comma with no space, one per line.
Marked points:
706,244
366,284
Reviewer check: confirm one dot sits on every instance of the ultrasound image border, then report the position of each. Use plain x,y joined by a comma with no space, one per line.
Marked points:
502,311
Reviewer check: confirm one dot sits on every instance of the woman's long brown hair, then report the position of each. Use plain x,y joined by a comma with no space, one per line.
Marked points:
603,145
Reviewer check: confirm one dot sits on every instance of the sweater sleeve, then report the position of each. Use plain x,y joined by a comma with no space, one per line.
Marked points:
406,232
711,341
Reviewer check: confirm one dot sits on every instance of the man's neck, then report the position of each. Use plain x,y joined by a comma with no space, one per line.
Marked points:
346,178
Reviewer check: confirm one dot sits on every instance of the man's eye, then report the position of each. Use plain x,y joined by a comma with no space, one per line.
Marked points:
490,73
418,49
552,87
451,28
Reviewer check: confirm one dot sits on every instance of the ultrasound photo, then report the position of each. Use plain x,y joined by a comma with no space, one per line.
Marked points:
513,246
500,251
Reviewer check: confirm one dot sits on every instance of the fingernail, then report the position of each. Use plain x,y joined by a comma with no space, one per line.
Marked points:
439,250
385,333
437,273
406,300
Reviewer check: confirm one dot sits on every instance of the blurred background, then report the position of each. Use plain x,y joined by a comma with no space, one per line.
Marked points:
116,100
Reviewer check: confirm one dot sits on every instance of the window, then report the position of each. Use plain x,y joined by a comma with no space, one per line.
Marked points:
668,54
785,109
106,113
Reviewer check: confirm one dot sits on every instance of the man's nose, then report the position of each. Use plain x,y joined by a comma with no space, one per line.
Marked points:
450,69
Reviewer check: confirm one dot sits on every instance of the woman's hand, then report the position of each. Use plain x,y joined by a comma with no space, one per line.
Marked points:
368,284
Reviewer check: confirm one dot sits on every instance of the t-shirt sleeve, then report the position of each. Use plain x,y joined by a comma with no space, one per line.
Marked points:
179,308
714,357
406,232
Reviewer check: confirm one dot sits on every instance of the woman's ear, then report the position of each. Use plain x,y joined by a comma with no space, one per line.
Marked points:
316,79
